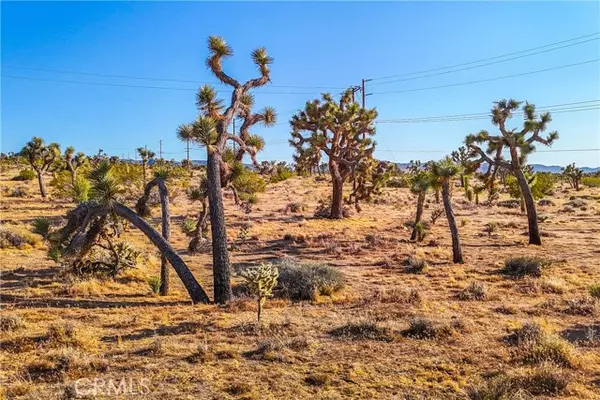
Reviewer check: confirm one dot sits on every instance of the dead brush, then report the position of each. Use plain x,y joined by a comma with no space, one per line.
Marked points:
66,334
586,305
425,328
363,330
474,291
396,295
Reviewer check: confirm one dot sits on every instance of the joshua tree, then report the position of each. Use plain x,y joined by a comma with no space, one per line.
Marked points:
160,178
146,155
185,133
41,158
342,131
573,175
419,184
443,171
520,143
88,220
199,234
211,130
477,190
73,162
461,157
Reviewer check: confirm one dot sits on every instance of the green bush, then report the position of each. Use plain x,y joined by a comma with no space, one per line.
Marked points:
154,282
307,281
26,174
280,174
595,291
591,181
535,345
80,190
41,226
415,265
525,266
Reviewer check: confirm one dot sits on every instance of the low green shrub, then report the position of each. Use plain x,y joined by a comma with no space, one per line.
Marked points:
525,266
307,281
26,174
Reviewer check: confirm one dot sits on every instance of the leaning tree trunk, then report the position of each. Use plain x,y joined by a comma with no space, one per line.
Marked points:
534,232
456,250
197,294
222,284
41,183
337,206
166,233
420,203
437,195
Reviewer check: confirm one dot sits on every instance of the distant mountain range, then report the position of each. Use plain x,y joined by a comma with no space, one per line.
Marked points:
555,169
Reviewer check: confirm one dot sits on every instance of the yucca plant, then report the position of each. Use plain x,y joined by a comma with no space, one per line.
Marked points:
41,157
41,226
146,155
155,283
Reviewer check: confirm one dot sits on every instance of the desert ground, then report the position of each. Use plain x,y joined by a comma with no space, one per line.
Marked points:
355,343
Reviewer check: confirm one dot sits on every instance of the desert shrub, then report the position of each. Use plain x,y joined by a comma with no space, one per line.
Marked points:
363,330
474,291
129,175
281,173
591,181
18,192
595,291
524,266
546,379
66,334
545,202
491,227
11,322
16,237
576,203
537,346
103,263
26,174
154,283
323,209
247,184
581,306
512,203
415,265
294,207
424,328
553,285
307,281
543,217
543,185
188,226
464,222
41,226
396,295
436,214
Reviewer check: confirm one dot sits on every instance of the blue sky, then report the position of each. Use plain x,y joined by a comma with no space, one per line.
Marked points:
314,44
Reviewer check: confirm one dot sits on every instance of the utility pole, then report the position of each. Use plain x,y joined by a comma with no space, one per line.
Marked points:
188,151
160,149
354,90
364,93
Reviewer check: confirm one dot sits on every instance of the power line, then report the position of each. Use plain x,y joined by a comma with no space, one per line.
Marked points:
483,65
487,59
489,79
154,79
575,106
446,151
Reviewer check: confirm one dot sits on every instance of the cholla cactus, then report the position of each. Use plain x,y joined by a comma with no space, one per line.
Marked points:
261,281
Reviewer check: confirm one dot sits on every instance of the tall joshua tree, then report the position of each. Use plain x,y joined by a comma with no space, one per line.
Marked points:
573,175
73,161
519,143
159,181
211,130
41,157
146,155
342,131
444,171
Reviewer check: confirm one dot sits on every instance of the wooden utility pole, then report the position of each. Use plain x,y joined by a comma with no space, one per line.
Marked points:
160,149
364,93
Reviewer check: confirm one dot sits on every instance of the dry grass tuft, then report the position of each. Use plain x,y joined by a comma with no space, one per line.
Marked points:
363,330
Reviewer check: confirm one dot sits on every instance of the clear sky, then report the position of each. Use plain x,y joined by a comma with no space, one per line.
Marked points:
330,45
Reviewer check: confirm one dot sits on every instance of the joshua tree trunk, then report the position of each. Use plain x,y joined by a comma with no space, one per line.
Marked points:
199,232
194,289
534,232
456,250
144,173
166,232
437,195
420,203
40,177
337,199
222,285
